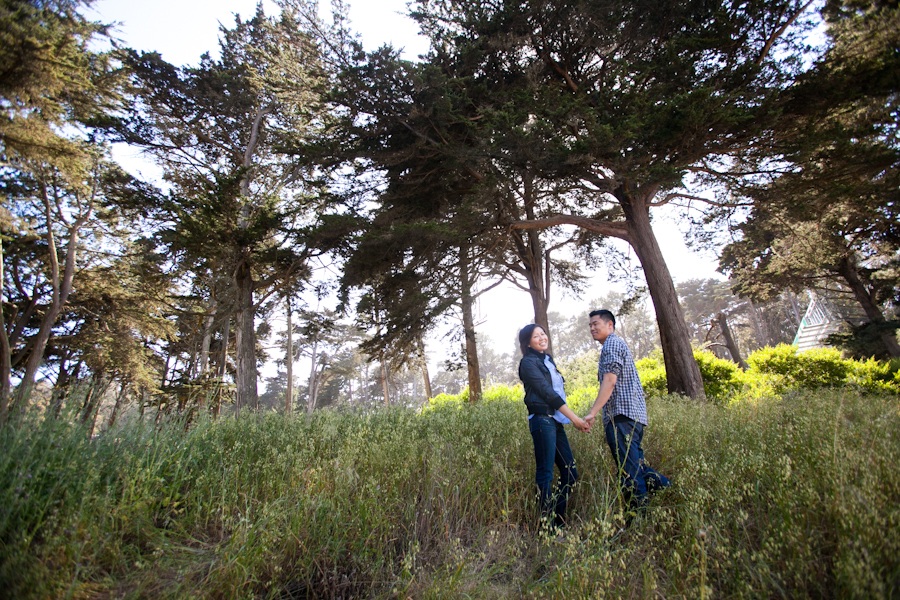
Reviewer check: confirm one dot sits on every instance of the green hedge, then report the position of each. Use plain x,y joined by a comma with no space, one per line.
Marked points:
810,369
775,370
721,378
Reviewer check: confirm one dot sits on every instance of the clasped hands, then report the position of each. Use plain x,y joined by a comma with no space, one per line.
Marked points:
584,425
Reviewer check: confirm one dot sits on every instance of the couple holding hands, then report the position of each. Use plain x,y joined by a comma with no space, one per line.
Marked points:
621,400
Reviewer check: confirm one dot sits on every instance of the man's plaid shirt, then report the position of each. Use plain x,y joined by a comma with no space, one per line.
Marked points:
627,397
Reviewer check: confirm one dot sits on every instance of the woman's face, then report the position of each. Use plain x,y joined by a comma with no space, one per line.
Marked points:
539,340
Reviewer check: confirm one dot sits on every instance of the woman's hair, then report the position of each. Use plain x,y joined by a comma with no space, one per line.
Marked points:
525,337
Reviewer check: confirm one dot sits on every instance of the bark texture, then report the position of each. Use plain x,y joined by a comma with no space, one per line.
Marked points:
467,301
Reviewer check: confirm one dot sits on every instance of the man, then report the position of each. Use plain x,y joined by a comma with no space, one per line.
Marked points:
621,398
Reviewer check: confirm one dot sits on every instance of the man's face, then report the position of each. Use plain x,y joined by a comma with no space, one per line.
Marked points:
600,329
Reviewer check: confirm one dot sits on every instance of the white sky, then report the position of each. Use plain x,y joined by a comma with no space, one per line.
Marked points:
182,30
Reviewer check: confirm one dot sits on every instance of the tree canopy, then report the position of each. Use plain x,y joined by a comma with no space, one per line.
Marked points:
528,140
825,197
611,104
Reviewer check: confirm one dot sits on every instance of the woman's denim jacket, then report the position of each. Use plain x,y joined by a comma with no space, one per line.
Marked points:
540,397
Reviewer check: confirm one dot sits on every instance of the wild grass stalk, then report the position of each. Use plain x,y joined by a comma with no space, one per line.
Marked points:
787,496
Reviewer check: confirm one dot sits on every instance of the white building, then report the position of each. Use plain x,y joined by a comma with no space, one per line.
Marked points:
826,314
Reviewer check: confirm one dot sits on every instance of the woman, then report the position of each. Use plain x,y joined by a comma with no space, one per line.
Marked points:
545,398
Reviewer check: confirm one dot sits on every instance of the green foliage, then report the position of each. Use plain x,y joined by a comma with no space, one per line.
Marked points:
788,368
580,371
790,497
827,213
775,370
652,372
457,402
866,340
877,376
721,378
49,78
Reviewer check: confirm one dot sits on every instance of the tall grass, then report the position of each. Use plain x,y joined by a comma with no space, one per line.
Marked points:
789,496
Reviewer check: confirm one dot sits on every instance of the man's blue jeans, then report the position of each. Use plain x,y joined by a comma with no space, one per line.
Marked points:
551,446
623,436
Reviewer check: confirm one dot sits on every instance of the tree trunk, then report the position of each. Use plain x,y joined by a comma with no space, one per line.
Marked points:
61,389
245,339
92,403
366,383
535,262
289,360
223,354
536,274
540,304
467,302
5,352
798,317
94,416
312,397
311,387
62,287
424,362
729,341
117,406
143,404
164,376
384,385
847,269
682,372
88,400
207,339
246,374
761,335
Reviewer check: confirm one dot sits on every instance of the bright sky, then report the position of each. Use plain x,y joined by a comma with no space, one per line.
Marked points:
182,30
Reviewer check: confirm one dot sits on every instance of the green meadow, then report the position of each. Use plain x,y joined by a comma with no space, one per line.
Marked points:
785,487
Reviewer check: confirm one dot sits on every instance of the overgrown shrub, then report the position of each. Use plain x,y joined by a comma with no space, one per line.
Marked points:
877,376
721,378
496,393
775,370
790,369
652,371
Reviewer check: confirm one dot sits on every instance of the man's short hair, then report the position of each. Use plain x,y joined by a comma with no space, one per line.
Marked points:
605,315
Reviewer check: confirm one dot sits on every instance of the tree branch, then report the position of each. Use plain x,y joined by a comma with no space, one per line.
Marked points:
617,231
771,41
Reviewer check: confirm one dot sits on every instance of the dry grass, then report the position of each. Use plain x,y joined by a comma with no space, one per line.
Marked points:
792,496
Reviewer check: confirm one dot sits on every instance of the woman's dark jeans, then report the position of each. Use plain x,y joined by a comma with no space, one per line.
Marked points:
637,479
552,446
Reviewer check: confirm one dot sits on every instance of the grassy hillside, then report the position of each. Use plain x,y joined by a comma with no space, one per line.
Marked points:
792,495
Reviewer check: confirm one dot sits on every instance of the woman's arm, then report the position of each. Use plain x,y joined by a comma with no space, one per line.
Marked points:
530,374
579,423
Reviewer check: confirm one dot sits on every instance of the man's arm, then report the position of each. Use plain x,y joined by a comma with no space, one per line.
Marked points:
606,388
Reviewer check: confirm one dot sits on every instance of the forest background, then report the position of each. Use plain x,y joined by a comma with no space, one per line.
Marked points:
375,199
500,312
